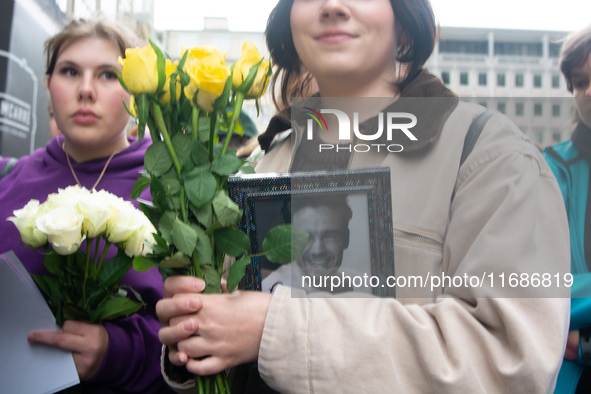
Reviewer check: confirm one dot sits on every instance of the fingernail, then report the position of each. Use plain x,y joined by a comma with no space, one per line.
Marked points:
193,304
182,358
188,326
31,337
198,285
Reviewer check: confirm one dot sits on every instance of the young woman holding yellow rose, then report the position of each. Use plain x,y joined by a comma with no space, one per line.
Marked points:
501,211
94,151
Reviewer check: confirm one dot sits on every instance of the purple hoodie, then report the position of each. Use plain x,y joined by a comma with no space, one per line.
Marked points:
132,361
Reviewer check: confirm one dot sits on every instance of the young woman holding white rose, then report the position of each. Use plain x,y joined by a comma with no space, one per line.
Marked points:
94,152
506,214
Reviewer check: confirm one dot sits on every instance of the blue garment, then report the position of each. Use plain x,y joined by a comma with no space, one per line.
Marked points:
572,172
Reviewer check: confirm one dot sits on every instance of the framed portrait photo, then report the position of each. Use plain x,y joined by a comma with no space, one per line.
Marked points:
348,216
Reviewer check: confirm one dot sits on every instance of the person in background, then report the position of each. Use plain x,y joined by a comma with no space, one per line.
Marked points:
570,162
120,356
501,212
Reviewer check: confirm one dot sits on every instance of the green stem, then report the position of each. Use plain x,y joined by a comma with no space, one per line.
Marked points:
105,250
96,249
182,201
199,384
70,260
195,120
226,384
160,123
220,383
212,122
88,245
235,115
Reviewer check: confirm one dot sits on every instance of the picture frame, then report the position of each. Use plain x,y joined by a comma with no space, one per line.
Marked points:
363,245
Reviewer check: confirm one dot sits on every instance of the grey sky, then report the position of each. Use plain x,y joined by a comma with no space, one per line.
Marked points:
251,15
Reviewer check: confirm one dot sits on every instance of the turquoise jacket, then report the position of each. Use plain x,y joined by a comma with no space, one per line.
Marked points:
572,172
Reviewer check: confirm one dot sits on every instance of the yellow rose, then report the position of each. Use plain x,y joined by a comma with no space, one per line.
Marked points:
208,73
250,57
140,70
170,67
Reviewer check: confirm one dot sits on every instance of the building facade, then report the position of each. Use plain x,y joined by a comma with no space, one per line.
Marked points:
513,71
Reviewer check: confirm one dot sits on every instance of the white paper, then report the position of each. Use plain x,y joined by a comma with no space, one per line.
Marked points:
26,368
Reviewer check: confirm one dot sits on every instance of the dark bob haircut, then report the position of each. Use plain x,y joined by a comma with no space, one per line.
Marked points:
414,16
575,51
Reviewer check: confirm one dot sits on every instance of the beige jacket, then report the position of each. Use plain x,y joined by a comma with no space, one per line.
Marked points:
507,216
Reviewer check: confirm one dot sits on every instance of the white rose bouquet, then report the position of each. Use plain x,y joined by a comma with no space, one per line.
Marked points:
83,286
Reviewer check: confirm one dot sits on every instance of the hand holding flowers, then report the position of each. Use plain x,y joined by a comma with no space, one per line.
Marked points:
187,170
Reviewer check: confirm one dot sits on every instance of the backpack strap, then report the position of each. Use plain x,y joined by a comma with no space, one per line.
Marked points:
8,167
472,136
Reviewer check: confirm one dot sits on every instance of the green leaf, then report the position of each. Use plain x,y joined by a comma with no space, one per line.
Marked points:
247,170
165,225
177,260
227,211
157,159
211,277
236,273
204,214
170,182
182,147
183,237
117,307
137,295
183,60
143,263
226,165
159,195
284,243
160,63
199,154
139,187
150,213
96,297
113,270
200,186
232,241
222,101
43,285
203,251
54,262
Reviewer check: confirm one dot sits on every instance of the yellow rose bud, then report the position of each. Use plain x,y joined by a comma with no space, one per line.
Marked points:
208,72
249,58
170,67
140,70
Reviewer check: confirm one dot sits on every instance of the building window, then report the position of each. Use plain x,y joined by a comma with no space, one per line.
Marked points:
482,79
501,107
538,109
445,77
539,136
554,49
556,110
537,81
464,79
555,81
519,80
500,79
556,136
519,109
458,46
483,103
518,48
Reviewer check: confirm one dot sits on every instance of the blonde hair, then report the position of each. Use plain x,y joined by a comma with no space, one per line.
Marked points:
87,28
